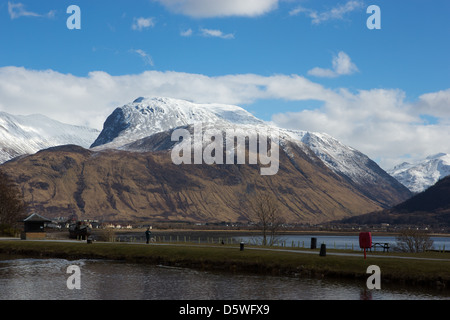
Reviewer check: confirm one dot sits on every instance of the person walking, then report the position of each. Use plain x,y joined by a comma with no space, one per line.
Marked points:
148,234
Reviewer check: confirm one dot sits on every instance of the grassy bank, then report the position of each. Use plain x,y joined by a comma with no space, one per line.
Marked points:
231,259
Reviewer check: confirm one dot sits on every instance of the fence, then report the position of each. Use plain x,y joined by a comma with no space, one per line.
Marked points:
220,240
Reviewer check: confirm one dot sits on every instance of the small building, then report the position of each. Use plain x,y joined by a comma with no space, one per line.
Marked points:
34,227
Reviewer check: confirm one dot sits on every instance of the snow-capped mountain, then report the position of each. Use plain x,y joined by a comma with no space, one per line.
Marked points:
420,175
147,116
129,127
20,135
319,179
338,157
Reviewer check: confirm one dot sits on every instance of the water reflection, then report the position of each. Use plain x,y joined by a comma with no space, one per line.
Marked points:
109,280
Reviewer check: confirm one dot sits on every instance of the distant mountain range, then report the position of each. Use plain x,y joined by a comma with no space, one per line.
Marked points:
430,207
420,175
21,135
127,173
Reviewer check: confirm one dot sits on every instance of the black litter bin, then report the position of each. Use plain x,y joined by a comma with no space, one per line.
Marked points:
242,246
323,250
313,243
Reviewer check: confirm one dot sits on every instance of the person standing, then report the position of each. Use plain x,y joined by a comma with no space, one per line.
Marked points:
148,234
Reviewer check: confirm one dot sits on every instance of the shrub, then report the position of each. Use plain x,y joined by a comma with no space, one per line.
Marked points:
411,240
107,235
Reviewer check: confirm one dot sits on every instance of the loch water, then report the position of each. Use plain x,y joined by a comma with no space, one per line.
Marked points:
46,279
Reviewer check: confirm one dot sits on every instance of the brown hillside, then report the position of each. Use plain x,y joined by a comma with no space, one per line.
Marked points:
430,207
120,185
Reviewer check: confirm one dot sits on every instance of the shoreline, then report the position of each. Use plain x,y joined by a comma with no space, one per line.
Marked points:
236,233
229,258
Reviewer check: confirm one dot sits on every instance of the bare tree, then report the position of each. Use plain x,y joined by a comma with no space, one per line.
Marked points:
410,240
12,206
264,208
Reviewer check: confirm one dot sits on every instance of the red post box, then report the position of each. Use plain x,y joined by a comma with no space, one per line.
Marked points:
365,241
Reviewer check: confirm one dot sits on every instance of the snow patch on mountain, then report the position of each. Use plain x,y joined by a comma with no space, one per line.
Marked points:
20,135
420,175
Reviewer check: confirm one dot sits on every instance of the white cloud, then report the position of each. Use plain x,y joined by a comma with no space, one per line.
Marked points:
342,65
88,100
216,34
142,23
17,10
186,33
335,13
436,104
219,8
145,56
379,122
323,73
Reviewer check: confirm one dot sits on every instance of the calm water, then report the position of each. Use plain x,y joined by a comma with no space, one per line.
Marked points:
339,242
37,279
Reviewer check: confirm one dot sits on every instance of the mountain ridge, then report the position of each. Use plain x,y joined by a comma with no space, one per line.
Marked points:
129,186
21,135
430,207
420,175
142,120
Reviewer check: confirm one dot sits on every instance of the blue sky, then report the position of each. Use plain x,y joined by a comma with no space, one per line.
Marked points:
304,64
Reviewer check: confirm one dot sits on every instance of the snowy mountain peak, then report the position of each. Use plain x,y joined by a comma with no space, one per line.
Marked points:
420,175
139,100
147,116
437,156
340,158
21,135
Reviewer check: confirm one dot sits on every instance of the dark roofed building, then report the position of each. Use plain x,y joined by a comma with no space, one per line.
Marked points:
34,227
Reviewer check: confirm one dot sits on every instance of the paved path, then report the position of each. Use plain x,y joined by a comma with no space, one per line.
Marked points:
353,254
316,253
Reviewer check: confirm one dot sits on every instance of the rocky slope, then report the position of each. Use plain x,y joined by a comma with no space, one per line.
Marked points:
124,185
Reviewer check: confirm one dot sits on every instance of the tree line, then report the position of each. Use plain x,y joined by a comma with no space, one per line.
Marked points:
12,205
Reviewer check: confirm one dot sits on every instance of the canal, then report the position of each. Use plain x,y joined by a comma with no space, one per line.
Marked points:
46,279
